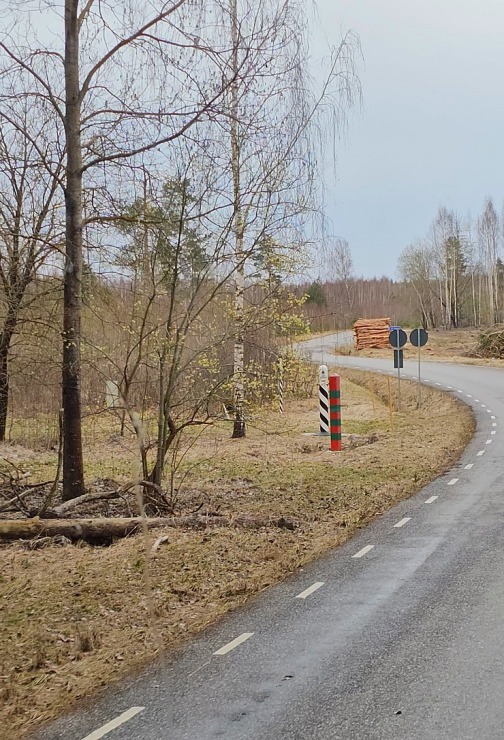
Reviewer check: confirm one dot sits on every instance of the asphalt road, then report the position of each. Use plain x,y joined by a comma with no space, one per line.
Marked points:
399,634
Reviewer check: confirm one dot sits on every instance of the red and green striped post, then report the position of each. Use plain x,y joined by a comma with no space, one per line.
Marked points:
335,411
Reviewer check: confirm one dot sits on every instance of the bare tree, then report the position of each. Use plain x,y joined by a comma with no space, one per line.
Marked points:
488,241
451,251
274,125
126,80
338,262
417,266
441,271
30,223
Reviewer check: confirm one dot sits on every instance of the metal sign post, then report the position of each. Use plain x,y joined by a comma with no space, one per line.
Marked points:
397,339
418,338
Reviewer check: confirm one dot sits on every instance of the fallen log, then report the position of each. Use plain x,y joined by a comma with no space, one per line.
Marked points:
104,531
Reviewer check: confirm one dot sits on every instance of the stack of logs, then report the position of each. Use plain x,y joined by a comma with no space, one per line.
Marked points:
372,333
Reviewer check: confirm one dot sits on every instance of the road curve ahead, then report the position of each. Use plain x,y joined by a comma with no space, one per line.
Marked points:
397,635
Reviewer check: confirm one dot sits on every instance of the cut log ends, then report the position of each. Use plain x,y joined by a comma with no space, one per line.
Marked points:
372,333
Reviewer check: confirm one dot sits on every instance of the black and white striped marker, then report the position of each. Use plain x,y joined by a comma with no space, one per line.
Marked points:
324,398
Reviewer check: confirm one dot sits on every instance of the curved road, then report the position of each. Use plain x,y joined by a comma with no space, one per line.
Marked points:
397,635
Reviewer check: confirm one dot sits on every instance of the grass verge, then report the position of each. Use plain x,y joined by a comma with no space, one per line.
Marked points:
74,619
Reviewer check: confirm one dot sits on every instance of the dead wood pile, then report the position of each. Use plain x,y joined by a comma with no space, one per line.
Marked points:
372,333
491,343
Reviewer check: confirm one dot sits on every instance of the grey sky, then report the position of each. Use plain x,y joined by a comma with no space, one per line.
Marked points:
431,131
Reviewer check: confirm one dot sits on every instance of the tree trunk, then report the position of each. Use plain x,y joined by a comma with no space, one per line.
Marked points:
157,472
73,466
103,531
239,428
165,440
5,340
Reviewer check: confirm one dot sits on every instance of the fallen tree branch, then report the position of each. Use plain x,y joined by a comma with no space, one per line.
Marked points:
86,498
17,499
103,531
160,541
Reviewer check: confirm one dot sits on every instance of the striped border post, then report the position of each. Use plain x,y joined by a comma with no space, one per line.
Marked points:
335,411
323,391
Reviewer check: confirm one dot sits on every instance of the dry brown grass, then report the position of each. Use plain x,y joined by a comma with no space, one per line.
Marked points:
69,617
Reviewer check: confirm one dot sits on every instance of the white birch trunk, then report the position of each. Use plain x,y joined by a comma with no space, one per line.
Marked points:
239,428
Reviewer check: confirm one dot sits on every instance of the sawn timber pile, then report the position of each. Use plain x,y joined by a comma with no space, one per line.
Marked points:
372,333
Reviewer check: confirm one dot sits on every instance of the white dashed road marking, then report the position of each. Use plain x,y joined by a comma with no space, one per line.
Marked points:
494,432
477,400
494,424
452,481
117,722
468,395
489,441
233,644
431,500
304,594
402,522
492,417
364,551
480,453
468,466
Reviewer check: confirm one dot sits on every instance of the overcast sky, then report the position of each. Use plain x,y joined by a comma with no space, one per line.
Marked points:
431,131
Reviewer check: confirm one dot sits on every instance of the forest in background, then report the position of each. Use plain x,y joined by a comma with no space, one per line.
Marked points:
452,278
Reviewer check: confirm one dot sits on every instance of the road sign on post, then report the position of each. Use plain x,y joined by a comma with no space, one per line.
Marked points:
398,358
397,339
419,338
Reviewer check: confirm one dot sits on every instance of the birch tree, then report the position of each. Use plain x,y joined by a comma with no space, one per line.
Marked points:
451,248
339,262
275,122
416,266
488,242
